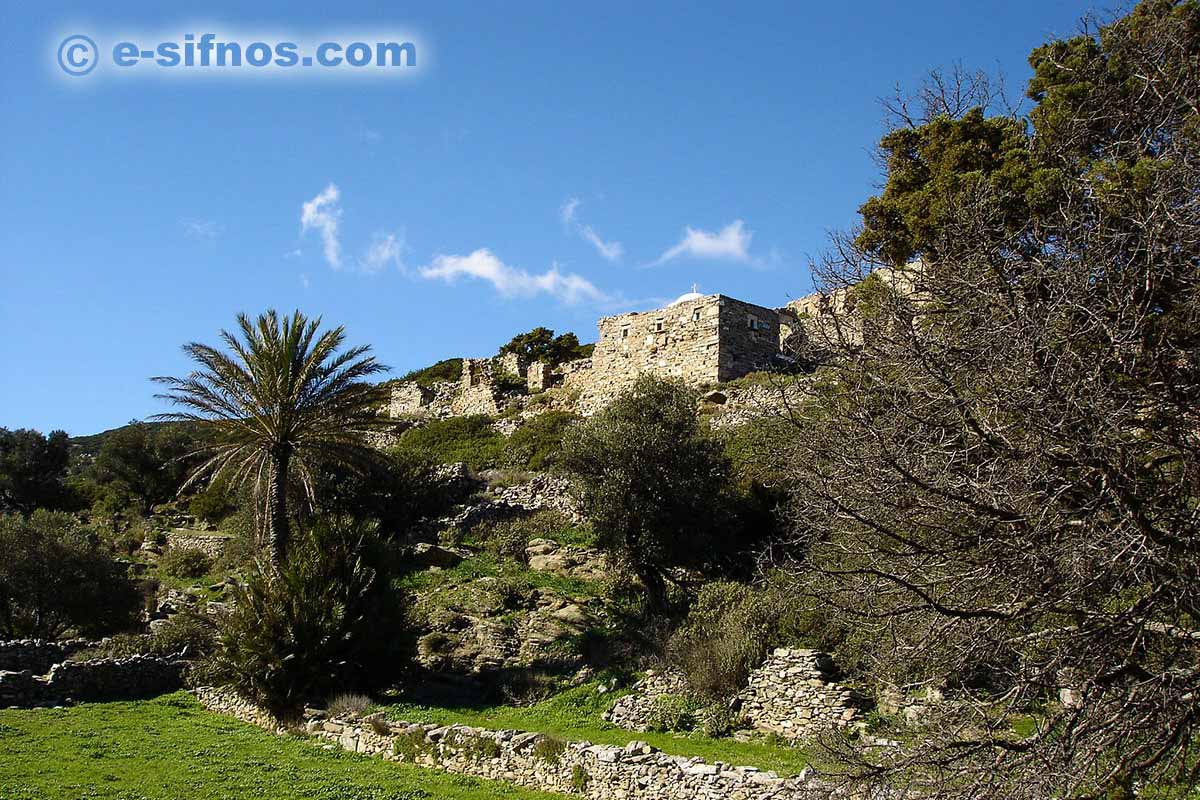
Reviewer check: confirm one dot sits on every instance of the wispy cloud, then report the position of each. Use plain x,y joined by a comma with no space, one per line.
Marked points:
511,281
296,253
323,214
569,214
204,229
612,251
385,249
731,243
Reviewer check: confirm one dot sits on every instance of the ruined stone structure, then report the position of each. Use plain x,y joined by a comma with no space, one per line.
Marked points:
82,681
793,694
636,771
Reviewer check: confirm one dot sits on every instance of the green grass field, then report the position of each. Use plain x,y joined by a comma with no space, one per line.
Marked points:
171,749
575,715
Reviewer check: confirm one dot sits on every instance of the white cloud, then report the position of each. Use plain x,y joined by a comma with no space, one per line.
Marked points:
512,281
731,243
385,249
304,281
612,251
293,253
569,213
324,215
201,228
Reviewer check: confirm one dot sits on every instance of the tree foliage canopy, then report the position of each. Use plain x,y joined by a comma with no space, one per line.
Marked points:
1000,492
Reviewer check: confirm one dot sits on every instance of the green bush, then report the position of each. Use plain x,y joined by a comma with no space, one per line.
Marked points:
55,578
579,779
549,749
672,713
471,440
537,444
328,619
185,562
449,369
731,627
509,538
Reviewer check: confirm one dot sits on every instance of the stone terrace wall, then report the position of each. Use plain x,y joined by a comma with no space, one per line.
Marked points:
794,694
211,544
581,769
100,679
38,655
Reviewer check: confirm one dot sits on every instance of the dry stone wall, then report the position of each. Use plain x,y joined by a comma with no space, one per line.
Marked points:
794,694
98,679
636,771
39,655
212,545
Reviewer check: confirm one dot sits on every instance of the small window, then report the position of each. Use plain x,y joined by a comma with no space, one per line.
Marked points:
696,315
658,325
752,323
624,333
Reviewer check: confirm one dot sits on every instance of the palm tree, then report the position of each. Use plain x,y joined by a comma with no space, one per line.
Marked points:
282,401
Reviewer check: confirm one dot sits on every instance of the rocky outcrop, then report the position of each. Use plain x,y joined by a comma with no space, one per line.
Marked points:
635,771
545,555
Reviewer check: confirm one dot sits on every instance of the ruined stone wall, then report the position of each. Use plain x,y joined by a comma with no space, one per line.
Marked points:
98,679
212,545
707,340
795,694
38,655
636,771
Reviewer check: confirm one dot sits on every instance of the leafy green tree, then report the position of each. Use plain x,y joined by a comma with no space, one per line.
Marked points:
540,344
32,469
1001,487
282,401
148,462
55,578
654,487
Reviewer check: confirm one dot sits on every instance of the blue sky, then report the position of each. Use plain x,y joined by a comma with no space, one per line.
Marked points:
549,163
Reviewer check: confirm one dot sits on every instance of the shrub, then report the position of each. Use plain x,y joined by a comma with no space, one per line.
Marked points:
327,619
718,720
509,538
348,705
471,440
55,578
732,626
409,744
449,369
672,713
549,749
537,444
579,779
185,562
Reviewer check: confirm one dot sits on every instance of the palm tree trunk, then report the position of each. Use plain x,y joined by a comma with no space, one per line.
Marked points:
277,514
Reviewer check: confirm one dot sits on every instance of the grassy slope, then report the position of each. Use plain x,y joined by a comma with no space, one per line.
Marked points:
575,715
170,748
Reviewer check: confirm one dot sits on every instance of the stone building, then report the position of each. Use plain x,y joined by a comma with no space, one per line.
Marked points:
700,339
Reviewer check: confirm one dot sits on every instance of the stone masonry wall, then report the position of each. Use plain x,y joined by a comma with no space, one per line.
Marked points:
794,694
636,771
707,340
38,655
99,679
211,544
